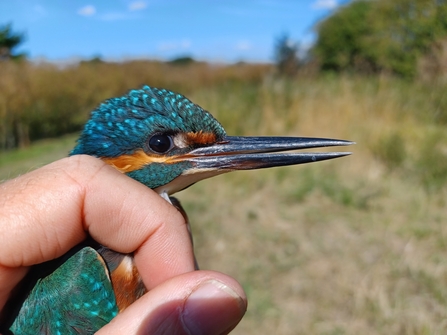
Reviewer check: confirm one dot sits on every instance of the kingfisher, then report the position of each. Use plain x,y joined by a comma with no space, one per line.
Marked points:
166,142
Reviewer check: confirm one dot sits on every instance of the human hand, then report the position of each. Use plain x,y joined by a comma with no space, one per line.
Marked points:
44,213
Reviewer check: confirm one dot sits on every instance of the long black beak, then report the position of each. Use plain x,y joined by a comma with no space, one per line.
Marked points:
247,153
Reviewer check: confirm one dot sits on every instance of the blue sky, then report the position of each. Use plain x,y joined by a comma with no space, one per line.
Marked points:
221,31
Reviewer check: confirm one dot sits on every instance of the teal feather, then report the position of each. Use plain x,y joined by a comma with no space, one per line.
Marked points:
77,298
121,125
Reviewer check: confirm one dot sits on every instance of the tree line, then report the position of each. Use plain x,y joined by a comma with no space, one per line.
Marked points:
399,37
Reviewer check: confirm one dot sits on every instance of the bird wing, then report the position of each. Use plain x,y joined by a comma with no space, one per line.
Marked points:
77,298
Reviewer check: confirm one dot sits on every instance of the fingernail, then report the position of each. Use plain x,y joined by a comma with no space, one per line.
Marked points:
213,308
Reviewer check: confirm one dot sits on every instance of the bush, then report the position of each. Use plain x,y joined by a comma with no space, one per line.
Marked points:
381,36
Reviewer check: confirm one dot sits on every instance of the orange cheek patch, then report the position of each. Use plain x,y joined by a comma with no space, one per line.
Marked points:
201,138
135,161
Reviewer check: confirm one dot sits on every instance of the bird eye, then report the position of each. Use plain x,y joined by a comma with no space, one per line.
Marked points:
160,143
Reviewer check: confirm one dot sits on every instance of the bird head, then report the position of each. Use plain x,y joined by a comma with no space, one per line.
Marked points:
165,141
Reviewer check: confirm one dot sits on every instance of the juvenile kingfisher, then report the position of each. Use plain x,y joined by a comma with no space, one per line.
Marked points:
163,140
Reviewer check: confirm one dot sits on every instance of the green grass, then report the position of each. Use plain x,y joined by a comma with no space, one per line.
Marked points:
355,245
17,162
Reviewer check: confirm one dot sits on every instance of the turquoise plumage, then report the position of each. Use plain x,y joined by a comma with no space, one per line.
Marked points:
77,298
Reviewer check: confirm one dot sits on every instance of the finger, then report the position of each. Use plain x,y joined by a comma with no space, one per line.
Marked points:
48,211
144,223
200,302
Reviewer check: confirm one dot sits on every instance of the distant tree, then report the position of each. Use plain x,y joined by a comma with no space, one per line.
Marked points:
92,61
405,30
286,55
8,42
380,35
341,38
182,60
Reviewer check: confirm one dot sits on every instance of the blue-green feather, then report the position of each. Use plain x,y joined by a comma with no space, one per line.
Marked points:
122,125
77,298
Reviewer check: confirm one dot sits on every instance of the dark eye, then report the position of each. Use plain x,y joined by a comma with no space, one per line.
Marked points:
160,143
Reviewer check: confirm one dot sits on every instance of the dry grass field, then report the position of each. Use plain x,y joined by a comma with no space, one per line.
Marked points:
356,245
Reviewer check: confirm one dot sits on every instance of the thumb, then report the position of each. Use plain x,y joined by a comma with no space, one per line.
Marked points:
199,302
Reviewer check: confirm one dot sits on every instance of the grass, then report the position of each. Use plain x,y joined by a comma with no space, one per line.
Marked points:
17,162
351,246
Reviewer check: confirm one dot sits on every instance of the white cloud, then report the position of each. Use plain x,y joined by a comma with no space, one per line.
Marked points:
137,5
243,45
324,4
88,10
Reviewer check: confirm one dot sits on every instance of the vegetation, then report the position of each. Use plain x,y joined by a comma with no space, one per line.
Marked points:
182,61
340,44
8,42
394,37
286,56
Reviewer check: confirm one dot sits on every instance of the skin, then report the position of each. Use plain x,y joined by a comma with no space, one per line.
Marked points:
48,211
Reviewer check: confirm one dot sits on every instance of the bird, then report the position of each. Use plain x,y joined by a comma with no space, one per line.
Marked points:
166,142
